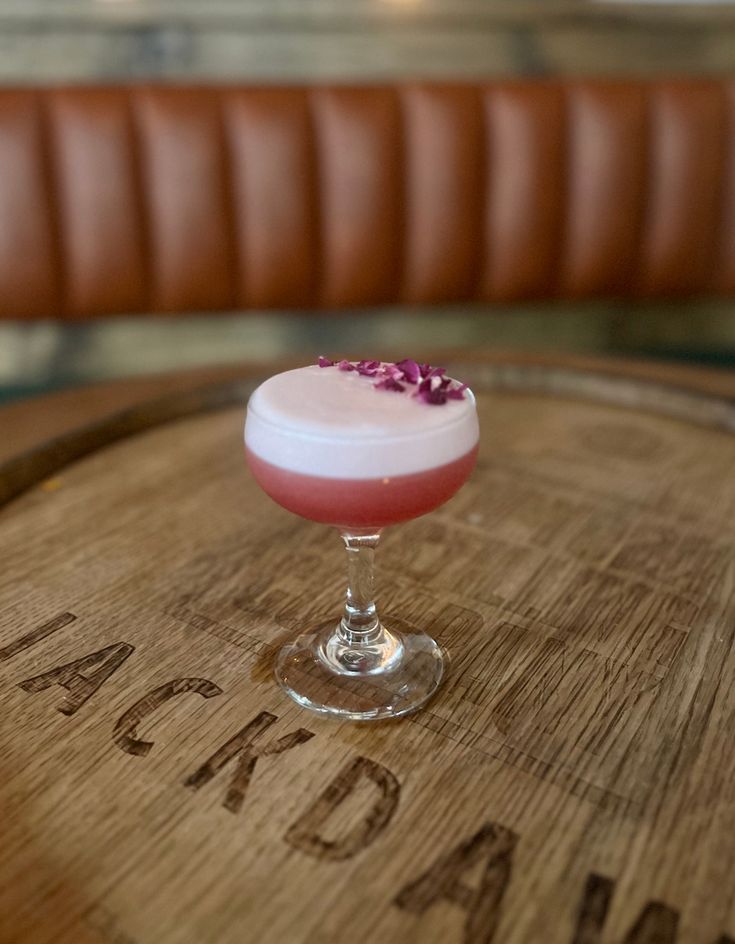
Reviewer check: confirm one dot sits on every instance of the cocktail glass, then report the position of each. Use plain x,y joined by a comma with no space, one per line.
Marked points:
324,443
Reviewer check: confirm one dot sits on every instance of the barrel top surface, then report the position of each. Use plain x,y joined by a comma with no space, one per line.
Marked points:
573,782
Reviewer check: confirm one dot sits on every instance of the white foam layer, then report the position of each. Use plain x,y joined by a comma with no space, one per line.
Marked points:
333,423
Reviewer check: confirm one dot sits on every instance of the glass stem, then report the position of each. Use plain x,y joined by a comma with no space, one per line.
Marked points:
360,645
360,624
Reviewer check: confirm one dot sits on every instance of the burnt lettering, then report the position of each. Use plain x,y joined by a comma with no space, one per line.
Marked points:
593,909
242,744
70,676
304,834
124,734
36,635
494,845
656,924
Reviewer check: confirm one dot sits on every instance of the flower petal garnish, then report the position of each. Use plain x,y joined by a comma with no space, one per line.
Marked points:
410,369
435,396
431,383
390,384
368,368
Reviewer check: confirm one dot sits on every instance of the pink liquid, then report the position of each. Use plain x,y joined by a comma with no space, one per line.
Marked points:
362,503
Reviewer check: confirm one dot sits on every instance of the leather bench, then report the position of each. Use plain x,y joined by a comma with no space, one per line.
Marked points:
184,199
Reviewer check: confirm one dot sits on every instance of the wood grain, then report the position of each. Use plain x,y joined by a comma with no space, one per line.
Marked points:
572,783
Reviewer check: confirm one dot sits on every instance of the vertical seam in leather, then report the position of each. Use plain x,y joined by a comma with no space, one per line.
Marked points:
53,202
142,208
636,285
399,271
230,227
482,243
558,255
712,281
315,171
484,281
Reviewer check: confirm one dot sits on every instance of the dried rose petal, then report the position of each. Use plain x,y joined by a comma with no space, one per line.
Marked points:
432,384
367,368
390,384
410,370
435,396
456,392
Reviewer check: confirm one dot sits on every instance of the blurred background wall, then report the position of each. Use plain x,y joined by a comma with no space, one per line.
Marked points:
72,41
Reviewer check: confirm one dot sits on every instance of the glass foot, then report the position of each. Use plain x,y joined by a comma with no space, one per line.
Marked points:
392,675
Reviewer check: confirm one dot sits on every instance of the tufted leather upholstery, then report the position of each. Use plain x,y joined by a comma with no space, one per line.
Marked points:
185,199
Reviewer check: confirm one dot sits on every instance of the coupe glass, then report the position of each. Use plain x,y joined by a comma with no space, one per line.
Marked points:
324,443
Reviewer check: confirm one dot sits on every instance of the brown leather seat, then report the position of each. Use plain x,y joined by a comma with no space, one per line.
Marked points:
189,199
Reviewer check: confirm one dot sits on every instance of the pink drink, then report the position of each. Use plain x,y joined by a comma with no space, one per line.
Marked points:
361,446
327,445
362,503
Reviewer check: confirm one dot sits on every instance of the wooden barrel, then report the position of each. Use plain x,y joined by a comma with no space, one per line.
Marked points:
573,782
